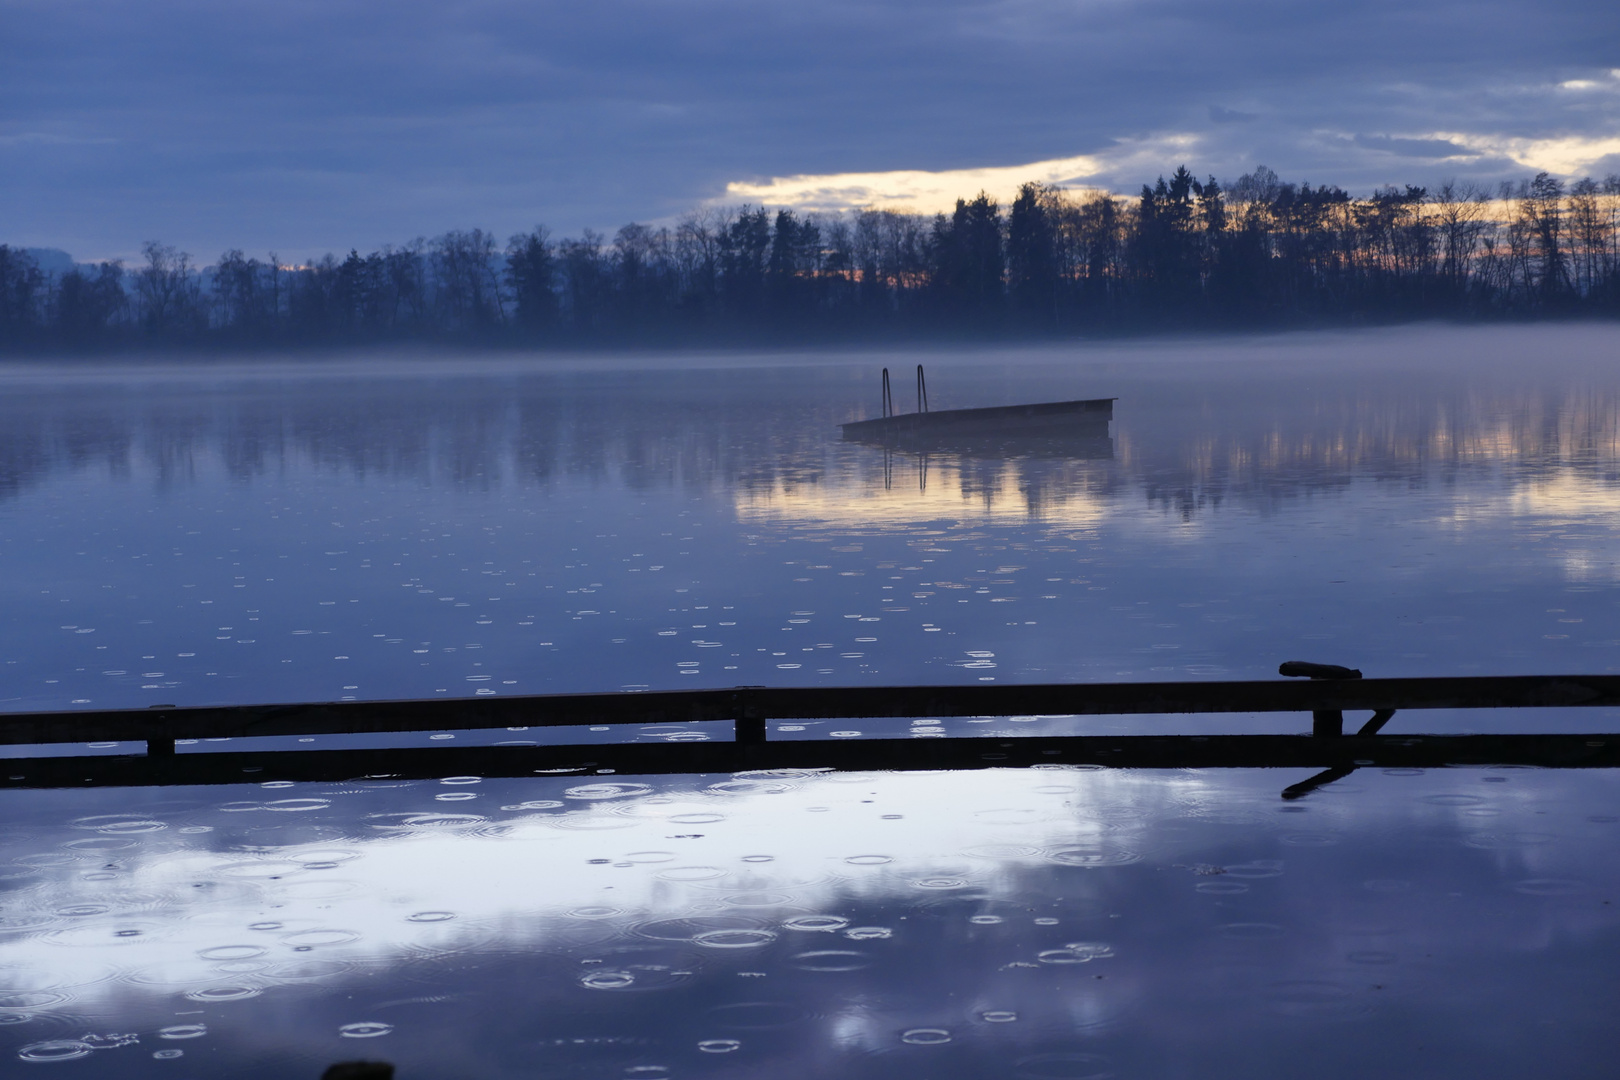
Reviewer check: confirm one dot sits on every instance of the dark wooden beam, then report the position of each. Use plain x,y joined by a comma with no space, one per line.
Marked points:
726,757
756,705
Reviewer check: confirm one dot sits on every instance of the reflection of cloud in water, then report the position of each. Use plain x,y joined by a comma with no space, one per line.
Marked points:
822,925
923,490
1567,496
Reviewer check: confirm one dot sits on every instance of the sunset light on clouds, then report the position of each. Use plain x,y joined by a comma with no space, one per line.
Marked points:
1569,155
917,191
909,190
305,128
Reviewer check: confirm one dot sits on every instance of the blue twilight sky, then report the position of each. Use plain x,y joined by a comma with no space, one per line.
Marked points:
313,125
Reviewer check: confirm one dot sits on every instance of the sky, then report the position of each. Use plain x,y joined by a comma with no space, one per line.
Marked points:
305,126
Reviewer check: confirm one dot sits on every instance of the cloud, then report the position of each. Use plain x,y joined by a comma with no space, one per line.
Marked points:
48,138
1420,148
312,125
1569,155
920,191
907,189
1610,83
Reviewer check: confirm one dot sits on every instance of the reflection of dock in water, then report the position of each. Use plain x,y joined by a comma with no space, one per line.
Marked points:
1066,429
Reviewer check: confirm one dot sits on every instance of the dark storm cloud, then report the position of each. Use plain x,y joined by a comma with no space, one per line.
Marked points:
305,125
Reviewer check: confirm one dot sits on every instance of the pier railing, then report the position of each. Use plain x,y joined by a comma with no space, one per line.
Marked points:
1329,693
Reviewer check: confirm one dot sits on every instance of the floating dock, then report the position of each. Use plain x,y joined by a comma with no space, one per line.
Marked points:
1050,418
1067,421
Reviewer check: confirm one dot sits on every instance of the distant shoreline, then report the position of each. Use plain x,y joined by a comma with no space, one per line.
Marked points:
1323,349
1186,256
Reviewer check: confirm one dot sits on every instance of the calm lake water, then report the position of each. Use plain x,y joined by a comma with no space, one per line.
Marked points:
1424,502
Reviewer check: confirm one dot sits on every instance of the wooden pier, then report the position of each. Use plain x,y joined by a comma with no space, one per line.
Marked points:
1081,427
1326,697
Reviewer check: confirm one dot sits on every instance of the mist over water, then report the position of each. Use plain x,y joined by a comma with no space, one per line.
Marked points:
1417,502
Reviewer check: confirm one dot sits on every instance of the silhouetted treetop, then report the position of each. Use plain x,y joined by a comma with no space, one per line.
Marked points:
1251,252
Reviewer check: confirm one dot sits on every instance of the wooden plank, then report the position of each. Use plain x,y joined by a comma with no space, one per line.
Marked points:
911,754
760,704
1012,418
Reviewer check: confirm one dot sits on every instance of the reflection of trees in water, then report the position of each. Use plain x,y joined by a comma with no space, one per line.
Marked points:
1264,446
1186,447
481,437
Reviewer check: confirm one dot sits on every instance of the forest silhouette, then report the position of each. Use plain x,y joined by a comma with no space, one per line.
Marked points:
1183,255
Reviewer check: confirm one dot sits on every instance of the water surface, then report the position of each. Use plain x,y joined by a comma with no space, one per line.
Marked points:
1432,502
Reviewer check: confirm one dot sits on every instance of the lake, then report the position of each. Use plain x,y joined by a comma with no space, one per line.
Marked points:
1429,501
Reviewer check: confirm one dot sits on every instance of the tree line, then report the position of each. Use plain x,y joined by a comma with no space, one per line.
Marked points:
1183,254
